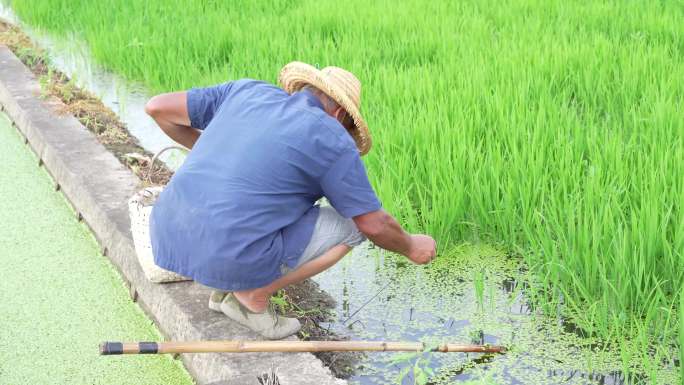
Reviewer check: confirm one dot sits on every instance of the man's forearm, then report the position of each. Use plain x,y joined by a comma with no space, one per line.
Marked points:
383,230
391,236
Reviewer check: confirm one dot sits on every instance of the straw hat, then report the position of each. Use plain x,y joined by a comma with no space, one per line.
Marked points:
341,85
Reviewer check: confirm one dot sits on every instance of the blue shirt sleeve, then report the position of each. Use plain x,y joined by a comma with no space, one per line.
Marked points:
204,102
347,187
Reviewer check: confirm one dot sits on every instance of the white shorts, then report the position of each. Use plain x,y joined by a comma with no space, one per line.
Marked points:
331,230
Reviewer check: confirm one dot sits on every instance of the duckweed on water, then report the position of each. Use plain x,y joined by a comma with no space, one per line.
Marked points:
439,304
60,296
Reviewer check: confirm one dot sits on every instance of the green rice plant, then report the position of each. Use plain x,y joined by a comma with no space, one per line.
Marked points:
418,370
551,127
279,300
479,287
681,332
416,365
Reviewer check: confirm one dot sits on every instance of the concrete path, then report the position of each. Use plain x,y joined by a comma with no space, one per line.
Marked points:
59,296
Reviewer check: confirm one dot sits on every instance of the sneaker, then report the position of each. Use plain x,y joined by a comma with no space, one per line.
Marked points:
268,324
215,299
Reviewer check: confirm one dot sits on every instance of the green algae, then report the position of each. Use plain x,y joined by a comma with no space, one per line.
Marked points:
60,296
476,294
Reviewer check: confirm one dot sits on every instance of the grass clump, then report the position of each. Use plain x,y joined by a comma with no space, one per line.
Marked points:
681,333
553,127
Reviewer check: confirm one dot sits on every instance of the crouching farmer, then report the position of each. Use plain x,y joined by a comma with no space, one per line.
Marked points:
240,215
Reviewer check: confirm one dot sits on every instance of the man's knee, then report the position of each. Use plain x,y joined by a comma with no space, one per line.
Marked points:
355,236
349,234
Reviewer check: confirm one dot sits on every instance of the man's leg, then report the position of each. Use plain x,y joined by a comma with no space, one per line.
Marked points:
256,300
333,237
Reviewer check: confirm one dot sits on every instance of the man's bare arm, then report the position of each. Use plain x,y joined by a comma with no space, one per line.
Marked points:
170,111
383,230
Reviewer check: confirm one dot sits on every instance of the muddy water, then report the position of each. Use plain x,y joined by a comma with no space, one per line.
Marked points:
477,295
474,296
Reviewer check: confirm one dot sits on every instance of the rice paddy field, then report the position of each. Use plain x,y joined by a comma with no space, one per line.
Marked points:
551,130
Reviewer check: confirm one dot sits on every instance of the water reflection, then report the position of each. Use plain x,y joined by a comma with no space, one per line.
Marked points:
125,98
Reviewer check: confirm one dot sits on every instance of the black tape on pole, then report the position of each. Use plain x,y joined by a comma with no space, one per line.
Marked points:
148,347
109,348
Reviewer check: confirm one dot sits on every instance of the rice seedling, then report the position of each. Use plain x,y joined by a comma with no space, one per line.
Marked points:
479,287
551,127
681,333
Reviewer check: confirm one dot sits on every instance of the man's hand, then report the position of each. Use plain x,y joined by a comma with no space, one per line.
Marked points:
423,249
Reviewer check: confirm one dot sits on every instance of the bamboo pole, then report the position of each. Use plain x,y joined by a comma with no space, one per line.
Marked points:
238,346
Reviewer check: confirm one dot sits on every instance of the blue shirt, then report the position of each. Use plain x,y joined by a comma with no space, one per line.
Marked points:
242,203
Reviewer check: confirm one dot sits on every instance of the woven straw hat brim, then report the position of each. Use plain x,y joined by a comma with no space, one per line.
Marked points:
294,76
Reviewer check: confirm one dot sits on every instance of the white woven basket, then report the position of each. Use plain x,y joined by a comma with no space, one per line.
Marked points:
140,209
